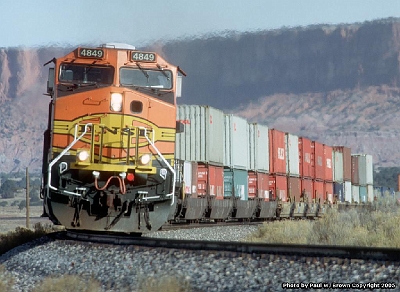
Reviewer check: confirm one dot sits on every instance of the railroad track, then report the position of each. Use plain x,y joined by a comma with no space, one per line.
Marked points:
342,252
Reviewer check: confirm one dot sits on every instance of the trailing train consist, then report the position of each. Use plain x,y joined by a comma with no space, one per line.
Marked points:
119,155
232,169
109,148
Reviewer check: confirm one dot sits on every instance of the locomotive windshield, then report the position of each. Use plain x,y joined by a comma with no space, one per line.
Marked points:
140,77
86,74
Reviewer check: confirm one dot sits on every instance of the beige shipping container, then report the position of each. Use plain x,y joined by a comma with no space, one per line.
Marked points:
346,161
203,137
292,155
236,143
259,148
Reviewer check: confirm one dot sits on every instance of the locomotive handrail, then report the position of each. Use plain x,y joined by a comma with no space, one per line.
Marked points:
165,161
76,139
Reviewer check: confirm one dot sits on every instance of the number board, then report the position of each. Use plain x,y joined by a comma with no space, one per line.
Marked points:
137,56
90,53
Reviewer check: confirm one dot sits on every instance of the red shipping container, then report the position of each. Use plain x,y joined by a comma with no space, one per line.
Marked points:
258,184
202,181
216,181
263,186
306,168
307,188
317,158
210,181
278,186
319,195
346,161
277,155
294,188
252,184
328,190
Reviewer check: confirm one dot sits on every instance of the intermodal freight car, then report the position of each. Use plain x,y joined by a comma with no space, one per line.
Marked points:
231,169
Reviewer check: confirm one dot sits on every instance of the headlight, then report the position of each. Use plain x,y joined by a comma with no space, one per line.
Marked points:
82,155
116,102
145,159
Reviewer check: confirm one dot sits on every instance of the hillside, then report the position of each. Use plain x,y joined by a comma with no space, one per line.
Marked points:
366,120
24,108
232,70
336,84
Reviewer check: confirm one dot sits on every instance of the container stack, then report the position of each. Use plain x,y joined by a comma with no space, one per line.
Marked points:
258,175
306,168
236,157
293,167
328,170
277,165
362,178
355,182
342,174
201,146
317,158
223,156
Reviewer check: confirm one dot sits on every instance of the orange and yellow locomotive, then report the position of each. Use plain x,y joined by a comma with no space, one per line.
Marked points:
109,148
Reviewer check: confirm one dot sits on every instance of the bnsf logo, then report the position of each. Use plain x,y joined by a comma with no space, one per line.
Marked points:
113,133
112,130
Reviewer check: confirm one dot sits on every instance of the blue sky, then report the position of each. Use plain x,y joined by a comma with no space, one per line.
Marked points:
33,23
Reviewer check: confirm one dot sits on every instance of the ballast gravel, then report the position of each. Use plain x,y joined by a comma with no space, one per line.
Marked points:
121,268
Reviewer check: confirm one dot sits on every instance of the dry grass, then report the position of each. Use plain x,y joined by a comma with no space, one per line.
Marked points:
23,235
67,283
164,284
355,227
288,231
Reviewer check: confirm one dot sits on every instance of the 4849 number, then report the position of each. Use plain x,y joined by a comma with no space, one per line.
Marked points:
142,57
91,53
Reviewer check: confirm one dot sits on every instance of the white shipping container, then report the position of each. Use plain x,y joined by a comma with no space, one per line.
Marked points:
236,142
370,193
365,169
337,166
347,191
187,177
292,154
203,137
355,191
259,148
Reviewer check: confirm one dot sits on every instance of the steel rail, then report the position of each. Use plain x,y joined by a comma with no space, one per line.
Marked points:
344,252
